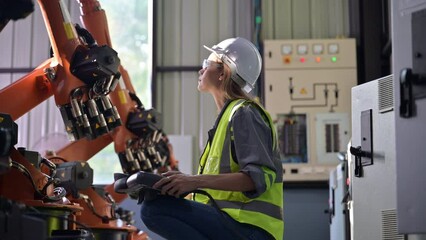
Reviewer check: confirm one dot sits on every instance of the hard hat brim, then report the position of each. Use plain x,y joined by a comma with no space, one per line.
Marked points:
217,52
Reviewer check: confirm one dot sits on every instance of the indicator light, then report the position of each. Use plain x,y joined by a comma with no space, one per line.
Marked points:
258,19
287,60
334,59
318,59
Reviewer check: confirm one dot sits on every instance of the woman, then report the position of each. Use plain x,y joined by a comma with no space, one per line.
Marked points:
239,168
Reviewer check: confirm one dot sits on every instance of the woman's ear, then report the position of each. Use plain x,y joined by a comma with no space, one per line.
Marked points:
222,75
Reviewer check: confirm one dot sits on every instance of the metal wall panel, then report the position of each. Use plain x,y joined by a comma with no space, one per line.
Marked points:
170,29
5,79
23,128
268,20
21,49
6,40
283,14
301,24
298,19
189,79
40,40
319,16
244,18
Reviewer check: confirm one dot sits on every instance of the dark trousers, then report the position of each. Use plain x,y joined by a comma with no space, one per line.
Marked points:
176,218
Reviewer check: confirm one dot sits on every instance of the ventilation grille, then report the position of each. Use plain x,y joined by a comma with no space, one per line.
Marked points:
389,226
386,102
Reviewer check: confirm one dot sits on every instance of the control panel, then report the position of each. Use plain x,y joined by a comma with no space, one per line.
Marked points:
309,53
307,91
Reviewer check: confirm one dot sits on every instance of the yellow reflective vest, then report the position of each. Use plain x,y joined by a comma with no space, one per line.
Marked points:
264,211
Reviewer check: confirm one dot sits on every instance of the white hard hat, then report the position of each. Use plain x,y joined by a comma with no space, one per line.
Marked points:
243,58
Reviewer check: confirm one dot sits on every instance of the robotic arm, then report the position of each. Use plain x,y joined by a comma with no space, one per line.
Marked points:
83,75
142,128
140,144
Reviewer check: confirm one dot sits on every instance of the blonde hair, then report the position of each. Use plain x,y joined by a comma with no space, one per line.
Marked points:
231,88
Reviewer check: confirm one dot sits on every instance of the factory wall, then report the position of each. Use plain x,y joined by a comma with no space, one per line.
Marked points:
305,19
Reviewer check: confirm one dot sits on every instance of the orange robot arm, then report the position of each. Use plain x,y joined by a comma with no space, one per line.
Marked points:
36,88
132,158
124,97
80,76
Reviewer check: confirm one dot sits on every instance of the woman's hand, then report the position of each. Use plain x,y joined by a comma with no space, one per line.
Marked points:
176,184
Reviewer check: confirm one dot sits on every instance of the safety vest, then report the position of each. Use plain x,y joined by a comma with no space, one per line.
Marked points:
264,211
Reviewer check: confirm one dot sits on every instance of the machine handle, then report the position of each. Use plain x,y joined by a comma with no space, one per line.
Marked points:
409,84
358,153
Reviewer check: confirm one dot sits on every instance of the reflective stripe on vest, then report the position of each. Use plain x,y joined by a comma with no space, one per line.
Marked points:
267,208
264,211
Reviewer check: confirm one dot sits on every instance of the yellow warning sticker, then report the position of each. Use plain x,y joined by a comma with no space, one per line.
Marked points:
69,30
303,91
122,97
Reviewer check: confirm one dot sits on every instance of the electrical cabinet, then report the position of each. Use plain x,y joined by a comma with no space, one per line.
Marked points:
307,91
409,67
373,176
338,207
